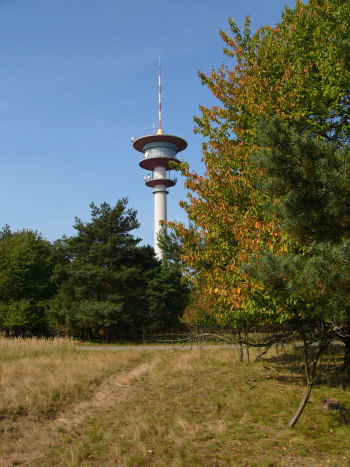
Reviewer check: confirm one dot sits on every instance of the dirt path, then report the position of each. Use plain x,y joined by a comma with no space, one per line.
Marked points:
38,436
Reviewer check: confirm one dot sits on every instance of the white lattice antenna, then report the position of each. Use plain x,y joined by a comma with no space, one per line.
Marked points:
160,131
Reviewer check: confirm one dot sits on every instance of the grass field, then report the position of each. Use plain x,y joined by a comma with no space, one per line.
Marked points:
64,406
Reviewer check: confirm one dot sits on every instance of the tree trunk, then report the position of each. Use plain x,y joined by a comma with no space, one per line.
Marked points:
310,371
301,407
247,348
240,348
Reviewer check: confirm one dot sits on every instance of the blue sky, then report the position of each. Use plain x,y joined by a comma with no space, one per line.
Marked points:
79,77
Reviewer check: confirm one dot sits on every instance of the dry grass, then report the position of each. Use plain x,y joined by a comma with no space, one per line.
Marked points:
166,408
15,349
38,377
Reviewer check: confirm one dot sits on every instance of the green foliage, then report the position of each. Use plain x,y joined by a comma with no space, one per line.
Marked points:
26,265
171,246
167,296
5,232
298,72
306,182
99,282
108,284
16,315
103,275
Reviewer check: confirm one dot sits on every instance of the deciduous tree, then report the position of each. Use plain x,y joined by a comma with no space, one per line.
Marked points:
26,266
295,71
298,72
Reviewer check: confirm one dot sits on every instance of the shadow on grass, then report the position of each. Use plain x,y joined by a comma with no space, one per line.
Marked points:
291,362
330,377
294,355
343,416
288,368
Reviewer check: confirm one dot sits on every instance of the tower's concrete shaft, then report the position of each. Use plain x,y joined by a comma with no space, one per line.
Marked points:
160,214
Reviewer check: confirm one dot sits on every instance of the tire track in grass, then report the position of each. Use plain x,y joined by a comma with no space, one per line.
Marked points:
38,436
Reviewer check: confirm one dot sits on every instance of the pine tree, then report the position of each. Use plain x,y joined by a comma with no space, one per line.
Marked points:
103,276
305,180
167,297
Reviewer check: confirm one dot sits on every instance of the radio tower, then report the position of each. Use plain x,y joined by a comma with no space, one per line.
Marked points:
158,150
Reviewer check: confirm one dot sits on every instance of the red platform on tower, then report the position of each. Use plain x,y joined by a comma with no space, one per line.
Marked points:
140,143
152,182
151,163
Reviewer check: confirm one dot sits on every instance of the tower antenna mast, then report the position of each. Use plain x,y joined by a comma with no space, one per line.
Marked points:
160,131
158,151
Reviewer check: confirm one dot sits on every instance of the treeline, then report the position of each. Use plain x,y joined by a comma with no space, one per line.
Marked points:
99,283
